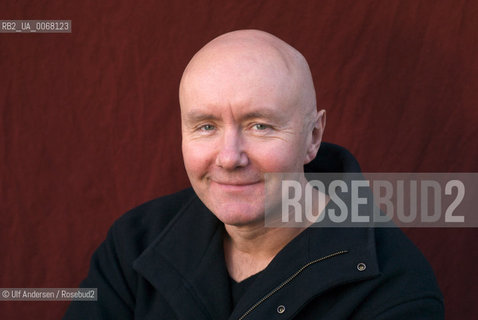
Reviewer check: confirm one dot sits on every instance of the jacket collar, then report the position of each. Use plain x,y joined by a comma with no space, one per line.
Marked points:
186,265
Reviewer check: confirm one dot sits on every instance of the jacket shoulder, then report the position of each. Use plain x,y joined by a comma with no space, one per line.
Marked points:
396,254
406,277
148,220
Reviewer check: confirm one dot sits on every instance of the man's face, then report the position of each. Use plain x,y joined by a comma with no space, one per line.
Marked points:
238,123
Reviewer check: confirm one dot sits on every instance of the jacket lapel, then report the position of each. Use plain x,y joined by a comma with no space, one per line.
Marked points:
186,265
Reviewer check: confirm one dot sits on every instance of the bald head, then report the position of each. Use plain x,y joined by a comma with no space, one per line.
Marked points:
257,58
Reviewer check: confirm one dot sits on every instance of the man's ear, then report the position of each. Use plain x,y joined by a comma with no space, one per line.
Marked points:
316,136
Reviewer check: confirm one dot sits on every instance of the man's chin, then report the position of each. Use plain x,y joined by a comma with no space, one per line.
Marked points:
241,215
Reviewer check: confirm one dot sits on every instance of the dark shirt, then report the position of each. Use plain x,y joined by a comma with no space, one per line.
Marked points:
238,289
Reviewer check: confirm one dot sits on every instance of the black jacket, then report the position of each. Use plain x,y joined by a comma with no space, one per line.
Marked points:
164,260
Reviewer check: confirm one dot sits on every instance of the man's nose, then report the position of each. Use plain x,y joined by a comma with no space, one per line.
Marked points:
231,154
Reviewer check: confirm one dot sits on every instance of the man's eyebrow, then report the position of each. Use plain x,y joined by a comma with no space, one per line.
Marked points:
198,116
262,114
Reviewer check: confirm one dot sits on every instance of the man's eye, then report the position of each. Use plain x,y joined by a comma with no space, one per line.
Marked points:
207,127
260,126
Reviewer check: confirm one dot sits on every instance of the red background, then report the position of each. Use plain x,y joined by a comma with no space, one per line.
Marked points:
89,121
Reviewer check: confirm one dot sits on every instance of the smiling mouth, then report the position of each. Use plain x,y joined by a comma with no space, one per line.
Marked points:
235,185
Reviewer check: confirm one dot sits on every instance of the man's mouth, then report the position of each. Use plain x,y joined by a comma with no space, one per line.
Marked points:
235,185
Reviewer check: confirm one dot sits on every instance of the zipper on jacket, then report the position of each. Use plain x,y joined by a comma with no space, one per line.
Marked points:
267,296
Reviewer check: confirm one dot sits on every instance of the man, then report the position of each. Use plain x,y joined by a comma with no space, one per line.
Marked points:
248,108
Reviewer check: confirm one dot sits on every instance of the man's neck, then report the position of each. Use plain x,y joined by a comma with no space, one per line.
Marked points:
248,250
